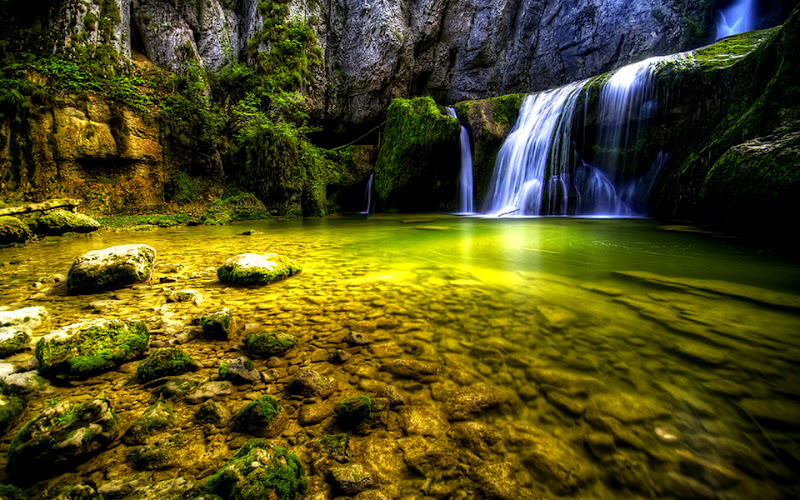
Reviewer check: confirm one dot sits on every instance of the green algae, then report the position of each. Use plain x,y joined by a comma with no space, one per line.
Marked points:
164,362
351,412
267,344
256,417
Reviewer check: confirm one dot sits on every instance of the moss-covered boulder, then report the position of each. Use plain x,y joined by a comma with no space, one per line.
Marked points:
239,371
418,162
361,412
13,339
57,222
11,407
29,318
212,413
218,324
256,269
155,418
59,438
260,470
164,362
83,349
260,417
111,268
13,230
267,344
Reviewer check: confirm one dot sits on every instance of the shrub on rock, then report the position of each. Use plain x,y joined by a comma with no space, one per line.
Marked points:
111,268
260,470
83,349
59,221
164,362
267,344
256,269
59,438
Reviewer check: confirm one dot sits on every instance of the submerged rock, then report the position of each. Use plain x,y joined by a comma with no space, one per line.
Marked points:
29,318
59,438
260,470
164,362
111,268
12,340
187,295
311,383
256,269
84,349
467,402
627,408
239,371
412,368
267,344
218,324
351,479
59,221
13,230
260,417
154,419
210,390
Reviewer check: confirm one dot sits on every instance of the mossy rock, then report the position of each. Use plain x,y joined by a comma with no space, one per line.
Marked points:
218,324
256,269
239,371
58,222
11,407
84,349
13,230
156,418
164,362
154,456
13,340
418,161
260,470
212,413
111,268
267,344
243,206
258,416
361,412
59,438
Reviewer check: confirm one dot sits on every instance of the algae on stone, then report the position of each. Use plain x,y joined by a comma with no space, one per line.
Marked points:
256,269
218,324
59,221
267,344
111,268
11,407
258,416
164,362
12,340
13,230
84,349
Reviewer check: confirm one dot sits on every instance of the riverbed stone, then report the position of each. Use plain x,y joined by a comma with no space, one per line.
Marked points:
260,470
315,413
111,268
84,349
164,362
429,456
497,480
218,325
412,368
29,318
256,269
268,344
26,383
351,479
13,230
311,383
210,390
59,221
773,413
11,407
186,295
61,437
239,371
627,408
424,421
261,417
155,418
12,340
465,403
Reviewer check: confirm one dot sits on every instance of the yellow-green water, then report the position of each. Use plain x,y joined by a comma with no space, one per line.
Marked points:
633,361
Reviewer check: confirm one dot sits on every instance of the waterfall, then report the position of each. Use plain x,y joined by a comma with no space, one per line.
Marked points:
533,161
539,172
465,176
738,17
368,195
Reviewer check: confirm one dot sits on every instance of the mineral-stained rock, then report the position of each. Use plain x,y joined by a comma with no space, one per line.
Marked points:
256,269
59,221
239,371
61,437
260,470
351,479
84,349
164,362
111,268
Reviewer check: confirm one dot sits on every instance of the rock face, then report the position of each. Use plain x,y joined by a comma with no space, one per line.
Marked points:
84,349
60,437
111,268
256,269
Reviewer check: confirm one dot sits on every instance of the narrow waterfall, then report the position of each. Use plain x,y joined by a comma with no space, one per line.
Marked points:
368,195
540,172
529,177
738,17
465,176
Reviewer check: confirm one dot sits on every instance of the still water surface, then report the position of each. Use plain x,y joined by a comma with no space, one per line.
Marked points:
634,361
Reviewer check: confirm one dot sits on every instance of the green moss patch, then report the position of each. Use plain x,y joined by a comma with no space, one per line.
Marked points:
11,407
257,416
267,344
58,222
83,349
260,470
164,362
155,418
218,324
256,269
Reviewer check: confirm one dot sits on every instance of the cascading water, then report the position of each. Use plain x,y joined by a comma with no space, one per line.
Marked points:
368,195
738,17
538,173
465,176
